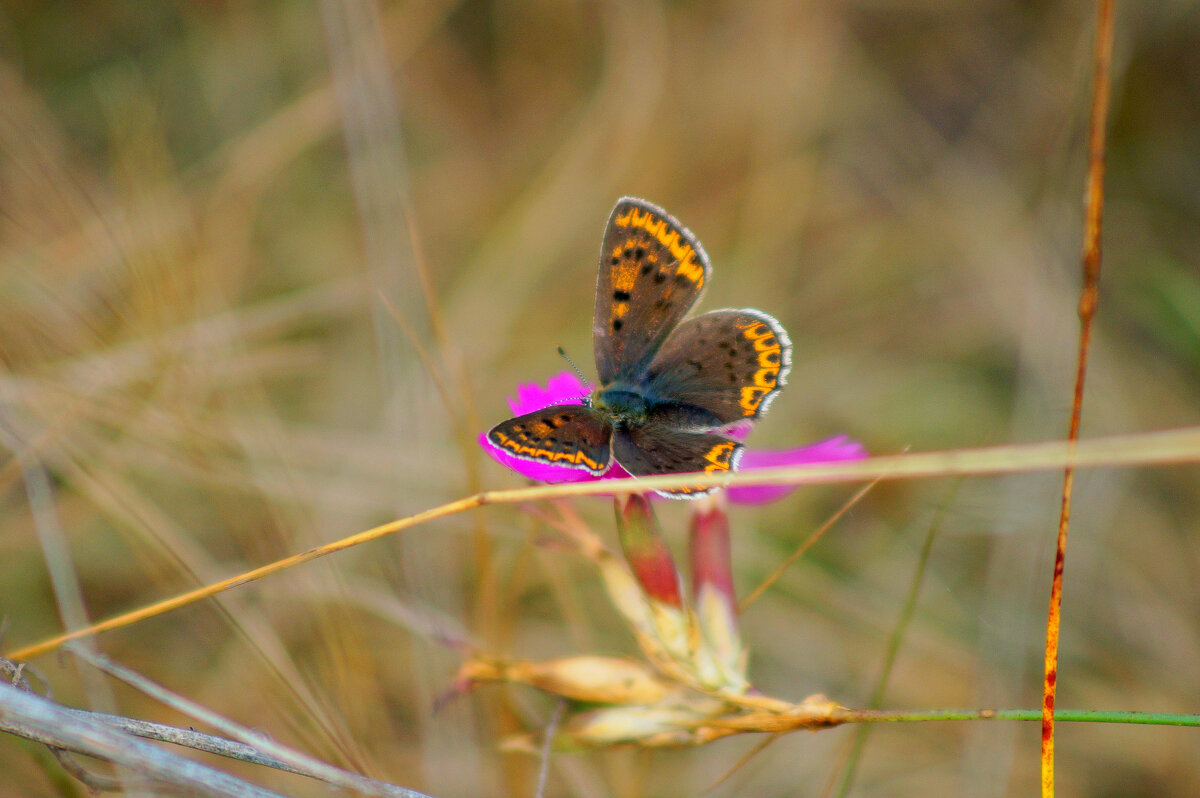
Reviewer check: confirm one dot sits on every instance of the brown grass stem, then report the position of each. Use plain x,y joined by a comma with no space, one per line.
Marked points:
1089,297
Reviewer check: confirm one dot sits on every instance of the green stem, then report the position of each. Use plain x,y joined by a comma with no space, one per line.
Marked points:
893,648
1067,716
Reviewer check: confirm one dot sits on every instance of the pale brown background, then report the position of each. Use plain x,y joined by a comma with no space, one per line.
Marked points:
202,206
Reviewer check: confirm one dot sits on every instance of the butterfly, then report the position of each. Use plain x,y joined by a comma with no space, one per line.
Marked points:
672,391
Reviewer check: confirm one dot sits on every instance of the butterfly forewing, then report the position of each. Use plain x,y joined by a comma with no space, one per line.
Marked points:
652,271
647,450
731,363
565,435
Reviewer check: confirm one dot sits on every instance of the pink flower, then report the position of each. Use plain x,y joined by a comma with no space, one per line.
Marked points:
566,388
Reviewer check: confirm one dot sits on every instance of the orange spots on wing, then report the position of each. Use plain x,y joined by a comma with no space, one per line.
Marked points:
690,269
766,342
719,457
770,360
670,238
624,275
756,330
521,449
752,397
766,378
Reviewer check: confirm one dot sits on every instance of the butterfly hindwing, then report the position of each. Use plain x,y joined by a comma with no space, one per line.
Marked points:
566,435
652,271
731,363
648,450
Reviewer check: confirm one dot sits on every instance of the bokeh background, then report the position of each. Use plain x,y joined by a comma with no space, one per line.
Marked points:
267,269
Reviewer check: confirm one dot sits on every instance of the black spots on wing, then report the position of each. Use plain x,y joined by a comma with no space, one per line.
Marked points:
634,250
733,360
660,278
647,268
663,304
615,261
617,325
561,418
696,364
680,277
622,296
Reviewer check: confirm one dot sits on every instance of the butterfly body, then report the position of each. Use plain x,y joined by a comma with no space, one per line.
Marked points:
671,392
621,403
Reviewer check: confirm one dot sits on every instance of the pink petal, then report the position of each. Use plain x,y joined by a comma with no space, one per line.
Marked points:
828,451
563,388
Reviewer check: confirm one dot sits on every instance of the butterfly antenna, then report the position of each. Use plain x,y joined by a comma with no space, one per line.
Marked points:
575,368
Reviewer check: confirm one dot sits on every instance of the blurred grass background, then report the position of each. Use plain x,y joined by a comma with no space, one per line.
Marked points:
206,210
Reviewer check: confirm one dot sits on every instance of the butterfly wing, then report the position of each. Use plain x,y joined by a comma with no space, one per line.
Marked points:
731,363
652,271
648,449
564,435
